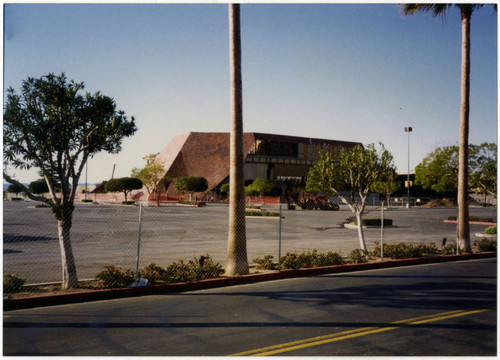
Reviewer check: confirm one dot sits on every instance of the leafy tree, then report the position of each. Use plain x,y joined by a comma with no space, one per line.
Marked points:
167,180
387,185
53,127
483,169
224,189
236,260
191,184
354,170
15,189
152,176
466,10
439,170
38,187
124,184
259,187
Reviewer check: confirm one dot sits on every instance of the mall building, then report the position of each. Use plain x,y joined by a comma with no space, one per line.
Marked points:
267,156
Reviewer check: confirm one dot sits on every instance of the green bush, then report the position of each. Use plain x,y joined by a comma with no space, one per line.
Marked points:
485,245
192,202
266,263
153,273
473,218
261,213
178,272
450,249
404,251
114,277
12,283
330,258
205,268
197,269
357,256
310,259
87,200
374,222
492,230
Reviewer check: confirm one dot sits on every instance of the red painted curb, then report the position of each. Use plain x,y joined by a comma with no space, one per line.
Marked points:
106,294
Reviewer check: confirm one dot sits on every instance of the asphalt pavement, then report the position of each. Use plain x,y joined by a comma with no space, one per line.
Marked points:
444,309
108,234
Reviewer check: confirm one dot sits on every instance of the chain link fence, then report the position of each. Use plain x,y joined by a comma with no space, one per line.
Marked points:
189,239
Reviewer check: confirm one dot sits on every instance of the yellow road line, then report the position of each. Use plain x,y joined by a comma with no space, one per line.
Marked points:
349,334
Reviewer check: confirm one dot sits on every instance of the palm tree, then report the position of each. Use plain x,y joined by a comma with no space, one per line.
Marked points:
466,10
236,262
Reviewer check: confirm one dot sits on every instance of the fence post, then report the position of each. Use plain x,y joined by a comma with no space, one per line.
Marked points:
279,242
382,234
138,247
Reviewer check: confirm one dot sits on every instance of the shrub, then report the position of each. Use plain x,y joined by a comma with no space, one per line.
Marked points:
450,249
357,256
114,277
178,272
87,200
205,268
12,283
192,202
153,273
473,218
266,263
492,230
330,258
310,259
374,222
403,251
289,261
197,269
261,213
485,245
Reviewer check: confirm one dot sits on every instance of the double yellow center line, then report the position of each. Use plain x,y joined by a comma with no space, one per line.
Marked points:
344,335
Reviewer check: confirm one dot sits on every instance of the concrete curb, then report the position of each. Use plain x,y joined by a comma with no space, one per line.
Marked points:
107,294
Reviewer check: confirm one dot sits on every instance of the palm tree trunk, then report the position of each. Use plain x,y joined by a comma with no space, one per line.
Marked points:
236,262
463,233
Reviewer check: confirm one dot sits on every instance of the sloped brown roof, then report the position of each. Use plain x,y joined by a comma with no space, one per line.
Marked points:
200,154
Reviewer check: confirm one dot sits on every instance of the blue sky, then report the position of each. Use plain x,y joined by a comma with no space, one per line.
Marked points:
355,72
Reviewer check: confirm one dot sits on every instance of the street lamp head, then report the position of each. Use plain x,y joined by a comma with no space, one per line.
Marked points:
408,129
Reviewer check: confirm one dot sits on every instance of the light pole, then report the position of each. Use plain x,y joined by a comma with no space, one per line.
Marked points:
408,130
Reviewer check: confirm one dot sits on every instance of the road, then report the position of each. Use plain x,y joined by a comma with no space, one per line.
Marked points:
440,310
108,234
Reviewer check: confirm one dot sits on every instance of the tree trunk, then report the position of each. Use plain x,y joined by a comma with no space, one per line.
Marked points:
463,233
361,234
236,262
69,277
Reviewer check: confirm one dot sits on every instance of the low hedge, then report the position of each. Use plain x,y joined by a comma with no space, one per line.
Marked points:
492,230
374,222
473,218
261,213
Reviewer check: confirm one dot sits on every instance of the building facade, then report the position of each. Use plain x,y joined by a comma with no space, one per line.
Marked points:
267,156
